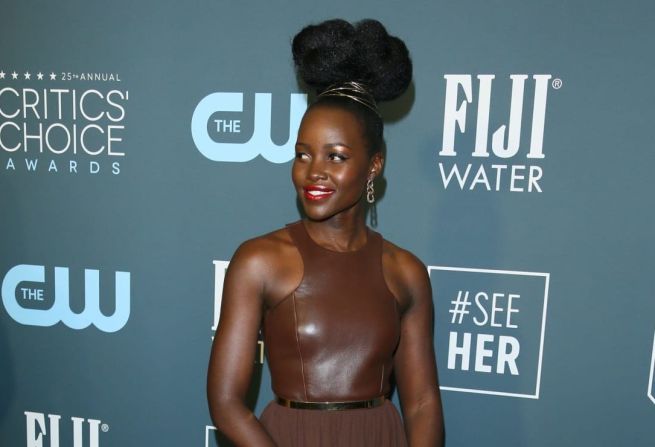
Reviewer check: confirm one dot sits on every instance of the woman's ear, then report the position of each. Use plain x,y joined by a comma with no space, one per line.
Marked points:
376,165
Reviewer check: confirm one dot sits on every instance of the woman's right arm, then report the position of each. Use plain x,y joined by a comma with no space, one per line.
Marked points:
233,350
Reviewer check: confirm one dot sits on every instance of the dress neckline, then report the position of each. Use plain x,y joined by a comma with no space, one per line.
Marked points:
369,238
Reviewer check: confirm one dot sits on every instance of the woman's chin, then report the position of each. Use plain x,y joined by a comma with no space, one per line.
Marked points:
314,215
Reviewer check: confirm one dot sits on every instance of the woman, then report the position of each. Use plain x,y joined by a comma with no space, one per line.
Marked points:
341,308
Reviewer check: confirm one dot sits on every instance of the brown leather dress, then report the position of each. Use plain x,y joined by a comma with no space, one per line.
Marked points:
333,339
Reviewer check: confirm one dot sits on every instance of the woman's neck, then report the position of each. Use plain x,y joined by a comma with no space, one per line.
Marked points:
342,232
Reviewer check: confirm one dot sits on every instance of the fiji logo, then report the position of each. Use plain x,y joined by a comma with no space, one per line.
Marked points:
205,119
38,430
503,168
23,292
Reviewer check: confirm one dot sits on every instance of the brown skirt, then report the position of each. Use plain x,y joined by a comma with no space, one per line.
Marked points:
380,426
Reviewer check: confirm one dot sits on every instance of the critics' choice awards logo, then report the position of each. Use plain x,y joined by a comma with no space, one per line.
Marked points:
651,385
223,130
490,329
467,163
58,123
31,299
220,267
85,432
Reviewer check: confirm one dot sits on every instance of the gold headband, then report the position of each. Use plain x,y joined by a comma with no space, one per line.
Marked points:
353,90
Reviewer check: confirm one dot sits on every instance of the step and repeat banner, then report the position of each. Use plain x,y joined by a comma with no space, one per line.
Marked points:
142,142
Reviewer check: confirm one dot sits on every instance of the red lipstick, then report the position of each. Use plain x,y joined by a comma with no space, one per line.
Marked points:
317,192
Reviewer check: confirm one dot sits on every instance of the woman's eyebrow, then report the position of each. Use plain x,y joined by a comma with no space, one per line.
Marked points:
325,146
332,145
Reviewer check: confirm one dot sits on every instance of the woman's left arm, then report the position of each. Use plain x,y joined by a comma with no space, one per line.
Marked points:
414,362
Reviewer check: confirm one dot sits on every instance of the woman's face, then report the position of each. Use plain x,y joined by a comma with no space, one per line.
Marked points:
332,163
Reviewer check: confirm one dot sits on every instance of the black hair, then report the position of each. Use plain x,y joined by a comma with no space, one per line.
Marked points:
336,51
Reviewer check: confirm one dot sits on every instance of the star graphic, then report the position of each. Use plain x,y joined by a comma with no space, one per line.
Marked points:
14,75
2,74
27,75
39,76
53,76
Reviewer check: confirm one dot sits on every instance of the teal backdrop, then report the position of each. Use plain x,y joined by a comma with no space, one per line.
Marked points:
142,142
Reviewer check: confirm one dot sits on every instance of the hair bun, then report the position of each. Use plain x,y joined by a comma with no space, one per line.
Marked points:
336,51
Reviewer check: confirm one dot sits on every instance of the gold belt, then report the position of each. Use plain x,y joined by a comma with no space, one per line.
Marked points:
331,405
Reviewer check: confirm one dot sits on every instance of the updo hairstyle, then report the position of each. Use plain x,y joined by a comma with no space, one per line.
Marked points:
335,51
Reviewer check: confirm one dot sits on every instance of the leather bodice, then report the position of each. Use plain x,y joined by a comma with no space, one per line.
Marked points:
334,337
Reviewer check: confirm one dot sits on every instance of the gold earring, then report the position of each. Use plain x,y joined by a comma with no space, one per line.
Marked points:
370,192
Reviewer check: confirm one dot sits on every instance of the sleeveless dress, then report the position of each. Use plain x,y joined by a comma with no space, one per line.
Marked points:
333,339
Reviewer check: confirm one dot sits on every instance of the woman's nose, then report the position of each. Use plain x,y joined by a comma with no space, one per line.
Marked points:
317,171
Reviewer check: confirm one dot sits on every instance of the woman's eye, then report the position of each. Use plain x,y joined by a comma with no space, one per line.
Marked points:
337,157
301,155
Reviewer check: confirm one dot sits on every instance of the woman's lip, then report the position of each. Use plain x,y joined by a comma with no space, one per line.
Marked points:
317,192
317,188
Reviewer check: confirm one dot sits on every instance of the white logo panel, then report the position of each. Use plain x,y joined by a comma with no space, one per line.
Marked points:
490,329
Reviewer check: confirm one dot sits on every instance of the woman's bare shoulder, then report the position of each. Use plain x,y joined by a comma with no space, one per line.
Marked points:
272,261
401,260
265,248
404,272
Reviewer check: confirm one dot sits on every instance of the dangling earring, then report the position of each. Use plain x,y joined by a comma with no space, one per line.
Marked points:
370,192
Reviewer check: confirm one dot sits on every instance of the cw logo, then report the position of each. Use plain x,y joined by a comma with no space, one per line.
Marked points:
60,310
259,143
